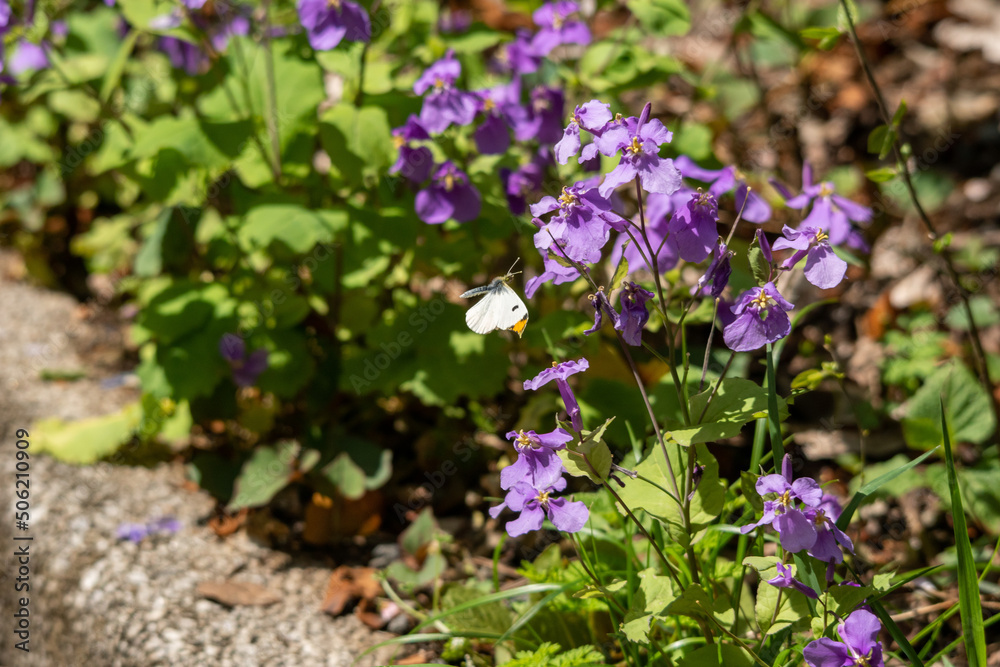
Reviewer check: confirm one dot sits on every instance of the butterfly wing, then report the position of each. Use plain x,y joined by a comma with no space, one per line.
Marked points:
512,314
482,317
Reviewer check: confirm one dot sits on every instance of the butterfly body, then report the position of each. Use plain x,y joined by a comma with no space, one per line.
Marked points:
500,308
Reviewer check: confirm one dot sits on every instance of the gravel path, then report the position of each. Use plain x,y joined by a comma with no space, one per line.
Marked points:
95,599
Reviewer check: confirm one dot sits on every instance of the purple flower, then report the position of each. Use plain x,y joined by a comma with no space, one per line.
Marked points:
592,116
634,314
823,268
493,136
582,225
760,318
184,55
555,29
601,306
796,530
164,524
717,273
454,21
541,121
523,181
193,4
245,368
694,227
444,104
722,181
559,373
328,22
830,212
27,57
786,580
537,462
829,538
639,142
657,212
450,195
133,532
554,272
414,163
534,504
5,22
518,56
858,645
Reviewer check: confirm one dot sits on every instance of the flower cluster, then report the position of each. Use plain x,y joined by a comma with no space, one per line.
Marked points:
537,473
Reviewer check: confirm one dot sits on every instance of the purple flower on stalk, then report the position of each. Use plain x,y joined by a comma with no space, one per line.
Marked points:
414,163
722,181
554,272
493,136
541,121
760,318
537,462
27,57
634,314
639,143
830,211
601,306
444,104
559,373
245,368
535,503
555,27
829,538
858,645
657,212
784,513
591,116
328,22
184,55
5,13
786,580
449,195
518,56
523,181
717,273
582,225
823,268
694,227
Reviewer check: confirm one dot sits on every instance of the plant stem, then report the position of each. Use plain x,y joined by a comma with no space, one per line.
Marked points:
974,336
272,89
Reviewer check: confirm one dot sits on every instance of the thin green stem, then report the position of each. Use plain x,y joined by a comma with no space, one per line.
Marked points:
272,89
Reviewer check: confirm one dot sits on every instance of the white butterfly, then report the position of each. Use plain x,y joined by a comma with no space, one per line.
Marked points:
501,308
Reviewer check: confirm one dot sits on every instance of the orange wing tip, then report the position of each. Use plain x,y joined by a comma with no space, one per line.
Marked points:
518,327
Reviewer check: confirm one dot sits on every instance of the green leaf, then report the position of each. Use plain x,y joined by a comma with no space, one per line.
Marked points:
872,486
897,117
793,610
652,495
621,271
597,454
358,141
737,402
880,141
291,227
819,32
87,440
969,597
361,466
471,614
967,403
882,175
718,655
114,75
748,484
654,594
662,17
846,599
268,470
759,266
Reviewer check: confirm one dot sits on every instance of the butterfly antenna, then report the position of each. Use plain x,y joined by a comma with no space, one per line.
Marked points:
512,267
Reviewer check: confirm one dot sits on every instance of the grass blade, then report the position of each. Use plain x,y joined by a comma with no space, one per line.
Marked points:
969,604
